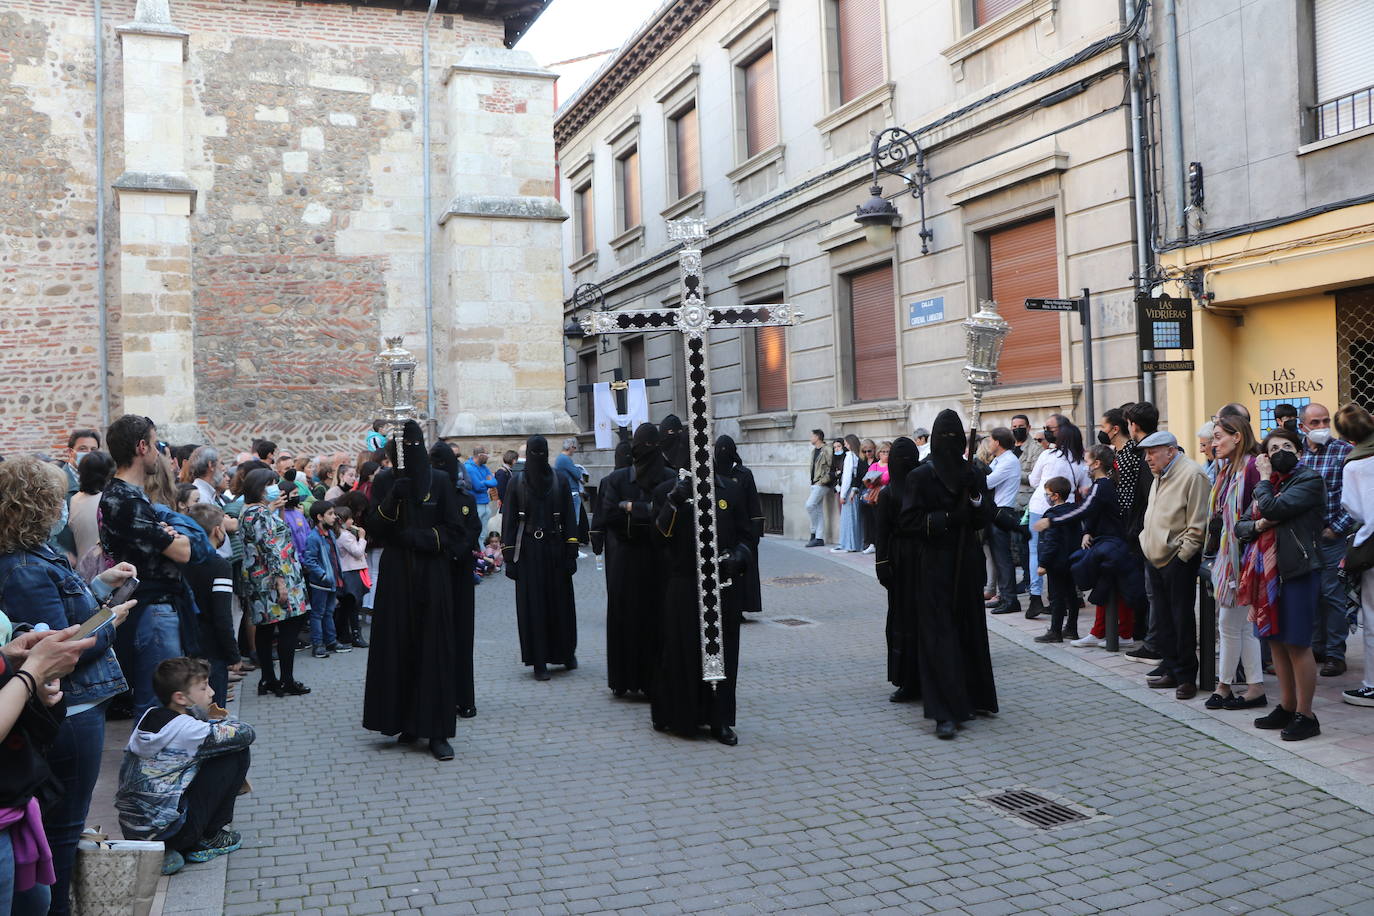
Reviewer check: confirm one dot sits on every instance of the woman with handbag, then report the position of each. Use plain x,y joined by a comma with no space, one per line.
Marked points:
1355,425
1281,578
38,587
1233,444
30,666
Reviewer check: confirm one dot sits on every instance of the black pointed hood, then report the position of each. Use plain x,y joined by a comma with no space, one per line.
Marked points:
537,472
441,458
673,442
646,453
726,455
947,444
622,454
902,459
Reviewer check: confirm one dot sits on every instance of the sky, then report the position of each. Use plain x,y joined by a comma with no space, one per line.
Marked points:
572,28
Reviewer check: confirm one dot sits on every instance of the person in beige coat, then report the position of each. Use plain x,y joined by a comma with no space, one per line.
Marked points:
1175,524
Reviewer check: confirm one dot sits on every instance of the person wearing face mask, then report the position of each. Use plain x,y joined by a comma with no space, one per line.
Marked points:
1027,451
729,464
673,443
1281,580
623,528
38,587
1062,457
1326,455
896,561
274,583
539,550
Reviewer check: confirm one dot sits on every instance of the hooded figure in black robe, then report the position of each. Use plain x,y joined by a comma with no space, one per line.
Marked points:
946,505
729,464
681,701
624,521
897,563
539,544
441,458
411,690
673,442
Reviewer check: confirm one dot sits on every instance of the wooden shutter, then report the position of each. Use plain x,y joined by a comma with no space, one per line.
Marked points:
629,188
688,157
760,105
770,368
1025,264
586,400
634,359
984,11
874,334
859,29
586,220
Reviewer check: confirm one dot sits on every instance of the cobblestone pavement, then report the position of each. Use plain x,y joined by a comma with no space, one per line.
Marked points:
564,800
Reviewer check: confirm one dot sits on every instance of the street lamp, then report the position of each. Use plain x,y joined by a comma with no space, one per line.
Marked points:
395,368
985,331
894,151
587,295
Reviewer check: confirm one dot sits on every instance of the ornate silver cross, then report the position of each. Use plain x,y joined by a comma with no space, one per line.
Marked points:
693,319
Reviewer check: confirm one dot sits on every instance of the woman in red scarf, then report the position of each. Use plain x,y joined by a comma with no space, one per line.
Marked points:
1281,578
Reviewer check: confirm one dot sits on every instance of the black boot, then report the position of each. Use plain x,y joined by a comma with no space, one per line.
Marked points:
1056,631
1035,608
358,641
1071,624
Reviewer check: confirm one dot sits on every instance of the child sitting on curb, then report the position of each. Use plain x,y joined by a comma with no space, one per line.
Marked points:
183,768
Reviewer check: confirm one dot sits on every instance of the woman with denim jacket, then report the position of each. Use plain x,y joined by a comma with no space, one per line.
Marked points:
1290,501
39,587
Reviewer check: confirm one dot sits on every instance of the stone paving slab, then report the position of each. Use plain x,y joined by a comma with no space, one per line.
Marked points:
564,800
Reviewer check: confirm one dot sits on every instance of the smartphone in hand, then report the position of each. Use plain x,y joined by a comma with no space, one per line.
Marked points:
100,618
122,593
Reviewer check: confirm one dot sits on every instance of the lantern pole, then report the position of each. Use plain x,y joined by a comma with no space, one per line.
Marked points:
985,332
395,368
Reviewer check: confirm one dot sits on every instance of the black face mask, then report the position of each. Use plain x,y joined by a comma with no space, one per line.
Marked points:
1103,438
1291,424
1049,435
1284,462
1020,433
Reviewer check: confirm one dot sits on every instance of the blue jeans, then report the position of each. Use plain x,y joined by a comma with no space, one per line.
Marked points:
484,516
75,763
150,636
322,618
1037,583
32,902
1332,625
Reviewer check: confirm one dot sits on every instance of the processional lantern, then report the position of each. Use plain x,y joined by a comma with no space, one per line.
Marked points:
985,332
395,367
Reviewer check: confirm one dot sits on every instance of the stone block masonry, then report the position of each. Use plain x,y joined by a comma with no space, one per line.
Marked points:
301,140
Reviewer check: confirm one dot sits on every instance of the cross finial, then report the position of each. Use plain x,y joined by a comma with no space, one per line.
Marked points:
688,229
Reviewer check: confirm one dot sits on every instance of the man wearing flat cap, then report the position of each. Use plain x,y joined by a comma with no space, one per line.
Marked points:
1175,525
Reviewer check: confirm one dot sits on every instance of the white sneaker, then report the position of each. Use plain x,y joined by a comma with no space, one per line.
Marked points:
870,549
837,549
1087,642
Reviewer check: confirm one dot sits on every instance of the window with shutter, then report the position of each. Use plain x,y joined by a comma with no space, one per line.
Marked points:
760,105
859,34
629,190
873,334
984,11
1344,34
633,353
770,368
1024,263
586,221
586,373
687,158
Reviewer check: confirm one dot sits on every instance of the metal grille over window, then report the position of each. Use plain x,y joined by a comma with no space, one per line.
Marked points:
1355,346
772,512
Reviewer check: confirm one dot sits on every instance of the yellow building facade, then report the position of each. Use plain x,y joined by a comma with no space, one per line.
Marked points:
1286,315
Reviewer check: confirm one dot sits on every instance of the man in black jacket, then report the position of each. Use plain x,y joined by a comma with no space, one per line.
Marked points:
1133,480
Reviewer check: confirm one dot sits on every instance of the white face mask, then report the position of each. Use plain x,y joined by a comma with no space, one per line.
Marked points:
839,451
1319,437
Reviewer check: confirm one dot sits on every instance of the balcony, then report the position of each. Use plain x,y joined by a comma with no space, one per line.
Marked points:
1345,114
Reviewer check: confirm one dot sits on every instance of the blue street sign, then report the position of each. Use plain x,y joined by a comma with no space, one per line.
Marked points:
925,311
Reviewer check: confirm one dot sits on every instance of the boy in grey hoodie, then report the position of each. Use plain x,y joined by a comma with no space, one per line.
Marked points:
183,769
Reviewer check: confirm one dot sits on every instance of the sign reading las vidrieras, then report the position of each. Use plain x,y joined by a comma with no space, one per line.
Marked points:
1165,323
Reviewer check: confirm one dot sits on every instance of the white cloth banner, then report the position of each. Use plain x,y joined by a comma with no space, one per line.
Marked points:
636,411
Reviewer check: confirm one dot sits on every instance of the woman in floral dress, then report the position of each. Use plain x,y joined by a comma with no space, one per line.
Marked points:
273,582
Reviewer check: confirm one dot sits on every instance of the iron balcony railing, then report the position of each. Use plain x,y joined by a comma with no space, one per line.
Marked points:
1347,113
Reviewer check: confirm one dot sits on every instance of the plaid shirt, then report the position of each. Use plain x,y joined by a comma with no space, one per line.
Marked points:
1328,460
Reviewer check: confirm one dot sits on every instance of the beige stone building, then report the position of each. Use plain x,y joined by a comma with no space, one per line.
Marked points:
758,115
212,212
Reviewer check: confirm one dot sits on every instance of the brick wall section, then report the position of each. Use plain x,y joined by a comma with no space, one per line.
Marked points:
304,139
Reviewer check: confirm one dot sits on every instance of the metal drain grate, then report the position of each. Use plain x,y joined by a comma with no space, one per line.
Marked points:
1035,809
792,581
794,622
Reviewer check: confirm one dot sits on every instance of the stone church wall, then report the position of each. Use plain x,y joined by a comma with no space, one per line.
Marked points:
303,138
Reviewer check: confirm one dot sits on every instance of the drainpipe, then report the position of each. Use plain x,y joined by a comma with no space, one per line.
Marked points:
1168,64
101,308
432,400
1142,230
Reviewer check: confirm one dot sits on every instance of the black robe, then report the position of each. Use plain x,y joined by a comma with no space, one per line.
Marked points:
680,700
633,577
542,561
751,588
897,559
464,596
410,666
955,665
